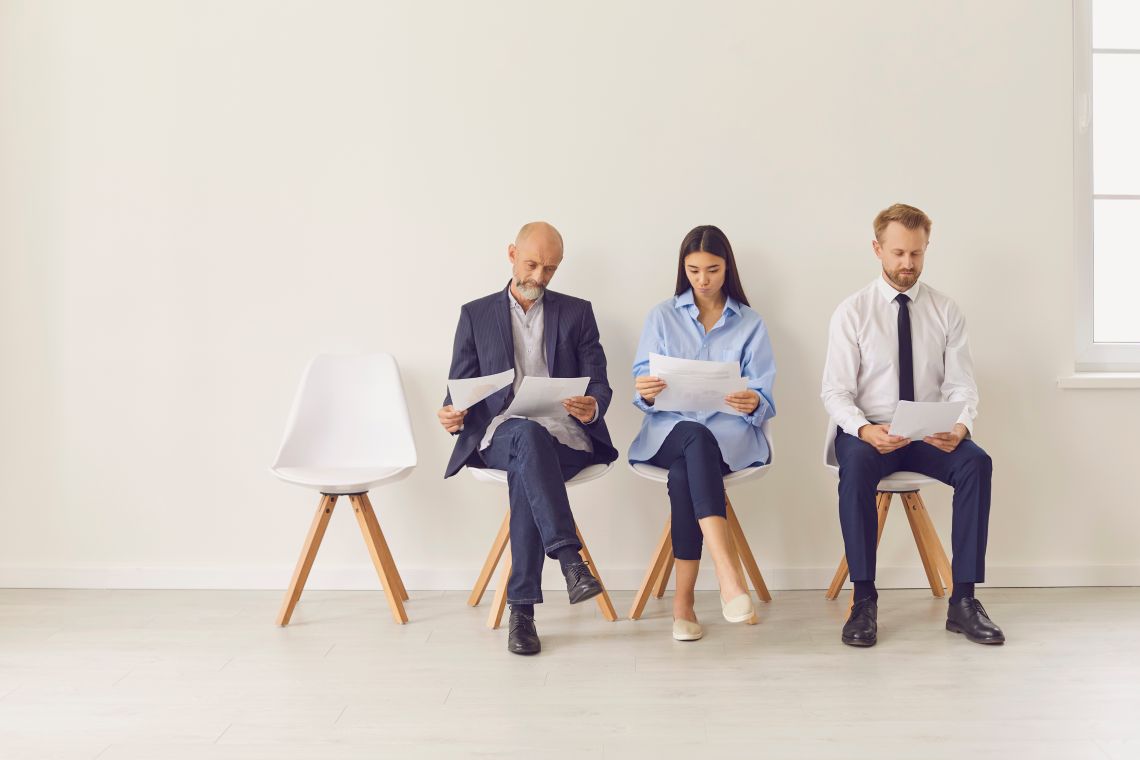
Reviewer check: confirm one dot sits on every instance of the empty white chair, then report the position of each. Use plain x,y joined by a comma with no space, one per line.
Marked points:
661,566
502,541
908,485
349,432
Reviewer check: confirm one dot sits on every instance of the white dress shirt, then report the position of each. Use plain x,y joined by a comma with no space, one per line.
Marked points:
861,374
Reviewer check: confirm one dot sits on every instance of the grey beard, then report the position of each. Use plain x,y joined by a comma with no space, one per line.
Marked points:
529,290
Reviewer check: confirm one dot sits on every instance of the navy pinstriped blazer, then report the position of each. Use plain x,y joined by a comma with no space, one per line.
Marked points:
485,345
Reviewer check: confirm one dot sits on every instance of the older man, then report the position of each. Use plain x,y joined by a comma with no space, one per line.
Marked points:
540,333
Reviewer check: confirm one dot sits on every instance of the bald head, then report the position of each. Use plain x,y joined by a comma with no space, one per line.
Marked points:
534,256
543,233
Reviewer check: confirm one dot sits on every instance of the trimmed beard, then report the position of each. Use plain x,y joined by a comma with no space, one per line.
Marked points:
891,277
529,289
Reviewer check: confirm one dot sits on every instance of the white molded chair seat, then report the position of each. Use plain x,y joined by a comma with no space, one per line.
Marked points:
897,482
661,475
588,473
661,566
341,480
348,432
499,547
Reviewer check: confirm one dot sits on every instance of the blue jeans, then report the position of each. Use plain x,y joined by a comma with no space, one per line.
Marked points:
692,456
537,469
968,469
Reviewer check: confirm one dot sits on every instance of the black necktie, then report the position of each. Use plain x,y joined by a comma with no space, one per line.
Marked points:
906,354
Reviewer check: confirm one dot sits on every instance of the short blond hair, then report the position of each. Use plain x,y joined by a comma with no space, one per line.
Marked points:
908,216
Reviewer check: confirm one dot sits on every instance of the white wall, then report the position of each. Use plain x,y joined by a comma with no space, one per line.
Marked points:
196,197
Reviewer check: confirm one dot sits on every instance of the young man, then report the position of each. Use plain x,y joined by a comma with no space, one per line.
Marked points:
897,339
544,334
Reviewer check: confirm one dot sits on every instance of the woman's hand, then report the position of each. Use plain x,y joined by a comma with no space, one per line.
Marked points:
744,401
648,387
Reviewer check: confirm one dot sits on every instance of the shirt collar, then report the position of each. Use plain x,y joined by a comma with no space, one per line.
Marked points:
686,299
890,294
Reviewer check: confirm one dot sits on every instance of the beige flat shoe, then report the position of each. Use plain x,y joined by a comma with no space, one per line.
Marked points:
687,630
738,609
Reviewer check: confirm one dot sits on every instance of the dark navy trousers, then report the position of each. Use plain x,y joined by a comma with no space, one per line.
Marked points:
537,469
692,456
968,469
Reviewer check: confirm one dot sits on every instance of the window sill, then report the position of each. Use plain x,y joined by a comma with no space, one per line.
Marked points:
1100,380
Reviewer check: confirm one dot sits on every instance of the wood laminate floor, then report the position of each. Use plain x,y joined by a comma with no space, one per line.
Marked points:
168,675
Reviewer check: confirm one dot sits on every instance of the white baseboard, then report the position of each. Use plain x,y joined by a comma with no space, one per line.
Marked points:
363,577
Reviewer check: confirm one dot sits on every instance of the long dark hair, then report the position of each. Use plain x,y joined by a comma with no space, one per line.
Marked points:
710,239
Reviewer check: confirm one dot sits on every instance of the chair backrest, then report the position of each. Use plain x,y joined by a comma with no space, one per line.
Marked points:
829,458
349,411
766,429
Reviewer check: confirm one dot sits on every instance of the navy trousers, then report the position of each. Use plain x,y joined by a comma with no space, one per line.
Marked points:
968,469
537,469
692,456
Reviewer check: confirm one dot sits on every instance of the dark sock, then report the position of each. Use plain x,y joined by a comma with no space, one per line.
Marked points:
865,590
961,590
565,556
526,609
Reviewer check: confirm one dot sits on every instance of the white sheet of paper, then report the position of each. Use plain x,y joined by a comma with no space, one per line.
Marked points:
686,394
466,392
543,396
693,385
917,419
666,367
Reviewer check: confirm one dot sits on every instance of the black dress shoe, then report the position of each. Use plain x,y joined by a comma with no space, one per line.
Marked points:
523,636
581,583
862,626
968,616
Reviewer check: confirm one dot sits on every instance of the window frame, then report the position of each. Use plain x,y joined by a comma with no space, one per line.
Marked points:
1090,355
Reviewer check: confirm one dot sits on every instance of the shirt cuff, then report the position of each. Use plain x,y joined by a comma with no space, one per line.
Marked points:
639,402
851,426
597,411
966,419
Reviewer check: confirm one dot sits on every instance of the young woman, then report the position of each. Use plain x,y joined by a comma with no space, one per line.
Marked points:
707,318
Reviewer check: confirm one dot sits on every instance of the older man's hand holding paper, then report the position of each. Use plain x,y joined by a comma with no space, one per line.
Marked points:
696,386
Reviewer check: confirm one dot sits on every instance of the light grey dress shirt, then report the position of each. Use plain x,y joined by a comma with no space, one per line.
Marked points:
527,331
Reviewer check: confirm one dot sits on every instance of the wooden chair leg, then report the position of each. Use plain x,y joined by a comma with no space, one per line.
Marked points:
385,552
499,601
745,553
838,579
911,507
365,518
663,579
882,504
735,549
933,544
308,554
655,571
605,604
493,557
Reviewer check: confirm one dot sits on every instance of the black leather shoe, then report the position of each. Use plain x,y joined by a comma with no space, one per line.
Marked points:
523,636
862,626
968,616
581,583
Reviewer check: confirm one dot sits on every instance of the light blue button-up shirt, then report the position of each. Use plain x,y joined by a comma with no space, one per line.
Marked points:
673,329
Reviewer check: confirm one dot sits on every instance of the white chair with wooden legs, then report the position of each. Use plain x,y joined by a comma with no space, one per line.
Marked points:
500,549
907,485
661,566
349,432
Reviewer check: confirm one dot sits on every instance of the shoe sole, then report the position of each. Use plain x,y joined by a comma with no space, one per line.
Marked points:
688,637
955,628
586,596
861,643
741,619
